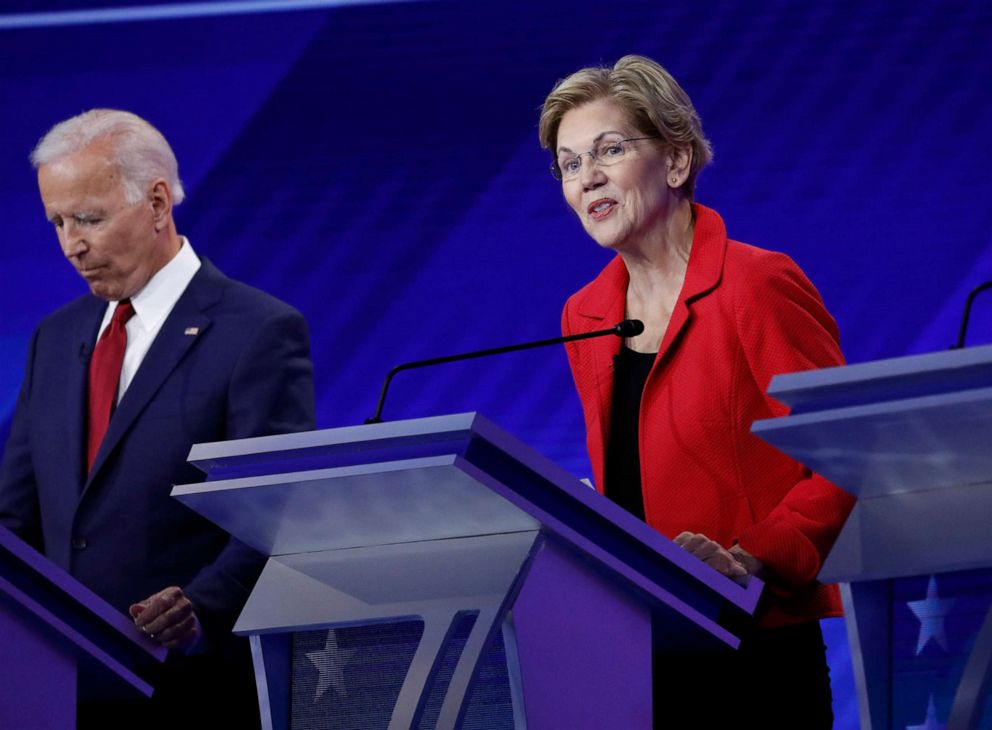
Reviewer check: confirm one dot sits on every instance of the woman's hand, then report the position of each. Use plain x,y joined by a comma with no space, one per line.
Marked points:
732,563
751,564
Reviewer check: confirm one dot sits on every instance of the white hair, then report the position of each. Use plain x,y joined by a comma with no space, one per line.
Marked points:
140,151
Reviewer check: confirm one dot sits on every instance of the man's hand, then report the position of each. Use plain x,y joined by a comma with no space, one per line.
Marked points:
168,618
712,553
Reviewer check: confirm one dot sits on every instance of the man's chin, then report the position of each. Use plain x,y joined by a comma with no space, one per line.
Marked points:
102,290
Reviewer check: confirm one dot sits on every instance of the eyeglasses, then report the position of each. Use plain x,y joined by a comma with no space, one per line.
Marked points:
607,152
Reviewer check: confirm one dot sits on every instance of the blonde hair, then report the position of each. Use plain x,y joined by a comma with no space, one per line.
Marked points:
653,99
140,151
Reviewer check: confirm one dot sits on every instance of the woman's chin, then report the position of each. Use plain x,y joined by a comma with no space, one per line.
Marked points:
612,243
604,238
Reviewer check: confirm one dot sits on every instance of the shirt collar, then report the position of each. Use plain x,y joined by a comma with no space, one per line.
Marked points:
153,302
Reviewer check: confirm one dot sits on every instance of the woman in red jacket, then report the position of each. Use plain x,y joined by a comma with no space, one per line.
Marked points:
668,413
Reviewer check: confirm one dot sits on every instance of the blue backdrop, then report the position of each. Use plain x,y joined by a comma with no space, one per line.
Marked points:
377,166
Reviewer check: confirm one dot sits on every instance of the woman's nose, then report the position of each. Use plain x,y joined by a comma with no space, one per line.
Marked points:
591,174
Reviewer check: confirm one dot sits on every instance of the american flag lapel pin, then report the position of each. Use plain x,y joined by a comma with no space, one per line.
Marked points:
192,331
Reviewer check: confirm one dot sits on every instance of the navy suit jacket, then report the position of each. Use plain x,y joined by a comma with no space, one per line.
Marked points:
229,362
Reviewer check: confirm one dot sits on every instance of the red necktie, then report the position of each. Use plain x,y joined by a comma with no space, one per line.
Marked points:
105,376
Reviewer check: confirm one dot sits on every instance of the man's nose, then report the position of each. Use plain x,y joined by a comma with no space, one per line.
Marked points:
71,239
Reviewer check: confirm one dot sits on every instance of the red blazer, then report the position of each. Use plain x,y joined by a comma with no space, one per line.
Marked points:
743,315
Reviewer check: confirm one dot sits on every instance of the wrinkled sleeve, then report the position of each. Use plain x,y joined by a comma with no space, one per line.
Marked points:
19,510
784,327
271,392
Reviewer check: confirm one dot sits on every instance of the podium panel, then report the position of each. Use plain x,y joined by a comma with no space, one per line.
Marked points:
912,438
54,629
503,591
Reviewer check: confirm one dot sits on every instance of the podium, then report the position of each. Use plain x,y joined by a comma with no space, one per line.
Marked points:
912,438
53,628
440,573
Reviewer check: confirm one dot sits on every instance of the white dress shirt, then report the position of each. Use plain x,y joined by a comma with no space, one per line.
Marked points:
152,305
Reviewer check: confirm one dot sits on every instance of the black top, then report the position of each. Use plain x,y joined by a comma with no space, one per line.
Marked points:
623,462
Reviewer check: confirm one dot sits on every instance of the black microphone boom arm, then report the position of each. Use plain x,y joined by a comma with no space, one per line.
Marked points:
626,328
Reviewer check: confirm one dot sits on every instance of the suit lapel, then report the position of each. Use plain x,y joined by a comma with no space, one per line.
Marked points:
703,274
605,304
76,390
170,346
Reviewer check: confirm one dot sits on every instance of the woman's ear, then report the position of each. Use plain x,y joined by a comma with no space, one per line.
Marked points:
679,162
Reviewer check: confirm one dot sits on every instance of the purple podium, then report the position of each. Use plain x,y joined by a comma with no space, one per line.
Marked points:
52,628
440,573
912,438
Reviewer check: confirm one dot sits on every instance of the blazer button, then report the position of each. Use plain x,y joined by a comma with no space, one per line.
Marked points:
78,543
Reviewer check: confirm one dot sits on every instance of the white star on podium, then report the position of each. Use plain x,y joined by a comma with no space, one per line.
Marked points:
330,662
931,612
931,722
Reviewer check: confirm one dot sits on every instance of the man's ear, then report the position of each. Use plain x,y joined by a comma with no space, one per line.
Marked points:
160,197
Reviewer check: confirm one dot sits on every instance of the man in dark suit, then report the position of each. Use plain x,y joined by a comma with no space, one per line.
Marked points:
166,352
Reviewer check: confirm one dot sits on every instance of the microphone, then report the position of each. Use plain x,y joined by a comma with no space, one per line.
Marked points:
967,313
626,328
